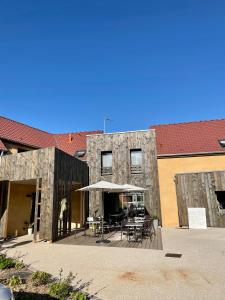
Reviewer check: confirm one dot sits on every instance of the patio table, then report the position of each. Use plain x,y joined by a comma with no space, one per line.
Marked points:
135,226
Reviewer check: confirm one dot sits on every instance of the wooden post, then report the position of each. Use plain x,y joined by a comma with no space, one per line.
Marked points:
5,226
37,204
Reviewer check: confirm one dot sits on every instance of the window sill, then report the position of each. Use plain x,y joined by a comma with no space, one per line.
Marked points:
136,173
106,174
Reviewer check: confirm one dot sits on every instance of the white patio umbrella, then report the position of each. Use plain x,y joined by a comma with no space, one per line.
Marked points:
133,188
103,186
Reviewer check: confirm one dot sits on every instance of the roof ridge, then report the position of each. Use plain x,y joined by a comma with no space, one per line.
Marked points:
78,132
190,122
25,125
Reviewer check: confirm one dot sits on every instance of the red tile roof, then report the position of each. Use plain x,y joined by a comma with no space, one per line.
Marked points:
26,135
72,142
190,138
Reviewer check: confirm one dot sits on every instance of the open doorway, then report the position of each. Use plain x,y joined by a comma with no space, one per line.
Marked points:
221,200
77,207
112,207
21,207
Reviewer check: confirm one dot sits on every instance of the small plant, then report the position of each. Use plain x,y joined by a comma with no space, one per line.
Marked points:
6,262
40,278
61,288
19,265
14,281
155,217
78,295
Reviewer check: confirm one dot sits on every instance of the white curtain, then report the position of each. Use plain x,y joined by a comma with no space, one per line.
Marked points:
136,158
107,160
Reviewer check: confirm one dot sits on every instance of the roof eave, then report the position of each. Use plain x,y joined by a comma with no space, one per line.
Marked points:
190,154
23,144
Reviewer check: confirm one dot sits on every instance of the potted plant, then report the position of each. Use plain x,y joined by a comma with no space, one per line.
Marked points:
155,222
30,229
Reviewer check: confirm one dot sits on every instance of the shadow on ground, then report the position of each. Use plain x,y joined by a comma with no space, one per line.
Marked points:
17,244
31,296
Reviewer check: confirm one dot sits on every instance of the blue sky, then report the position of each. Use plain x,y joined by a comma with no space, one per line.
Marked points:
64,65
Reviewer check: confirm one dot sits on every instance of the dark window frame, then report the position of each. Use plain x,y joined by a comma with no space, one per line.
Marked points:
136,169
106,170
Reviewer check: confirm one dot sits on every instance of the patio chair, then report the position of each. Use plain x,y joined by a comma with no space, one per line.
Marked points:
148,228
135,234
106,227
138,234
130,232
123,228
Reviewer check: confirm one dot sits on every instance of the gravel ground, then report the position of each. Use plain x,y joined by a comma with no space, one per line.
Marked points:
128,273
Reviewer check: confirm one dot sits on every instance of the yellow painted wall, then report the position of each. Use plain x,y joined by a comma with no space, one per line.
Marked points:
19,209
75,209
168,168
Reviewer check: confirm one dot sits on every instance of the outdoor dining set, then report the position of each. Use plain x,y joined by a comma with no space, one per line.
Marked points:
131,221
132,229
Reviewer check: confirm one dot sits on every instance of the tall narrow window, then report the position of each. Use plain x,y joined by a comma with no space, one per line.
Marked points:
135,161
106,163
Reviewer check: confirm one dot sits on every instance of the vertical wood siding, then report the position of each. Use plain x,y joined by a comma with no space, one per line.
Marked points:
198,190
120,144
68,170
32,165
57,170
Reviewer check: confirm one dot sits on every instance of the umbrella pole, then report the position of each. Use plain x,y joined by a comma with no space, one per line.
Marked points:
102,240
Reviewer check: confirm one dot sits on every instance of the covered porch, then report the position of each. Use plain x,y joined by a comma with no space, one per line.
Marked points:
37,194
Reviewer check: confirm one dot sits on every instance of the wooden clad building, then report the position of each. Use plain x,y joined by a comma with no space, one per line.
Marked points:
126,157
205,189
37,189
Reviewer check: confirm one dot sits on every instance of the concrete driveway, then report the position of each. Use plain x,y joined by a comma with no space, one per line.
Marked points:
129,273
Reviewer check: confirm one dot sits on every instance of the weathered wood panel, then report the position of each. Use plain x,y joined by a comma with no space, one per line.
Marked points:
57,170
32,165
120,144
198,190
68,170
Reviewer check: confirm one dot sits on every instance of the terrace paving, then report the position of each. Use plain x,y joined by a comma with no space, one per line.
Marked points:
132,273
155,242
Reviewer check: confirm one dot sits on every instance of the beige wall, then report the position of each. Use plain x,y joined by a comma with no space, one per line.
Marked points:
19,209
168,168
75,210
